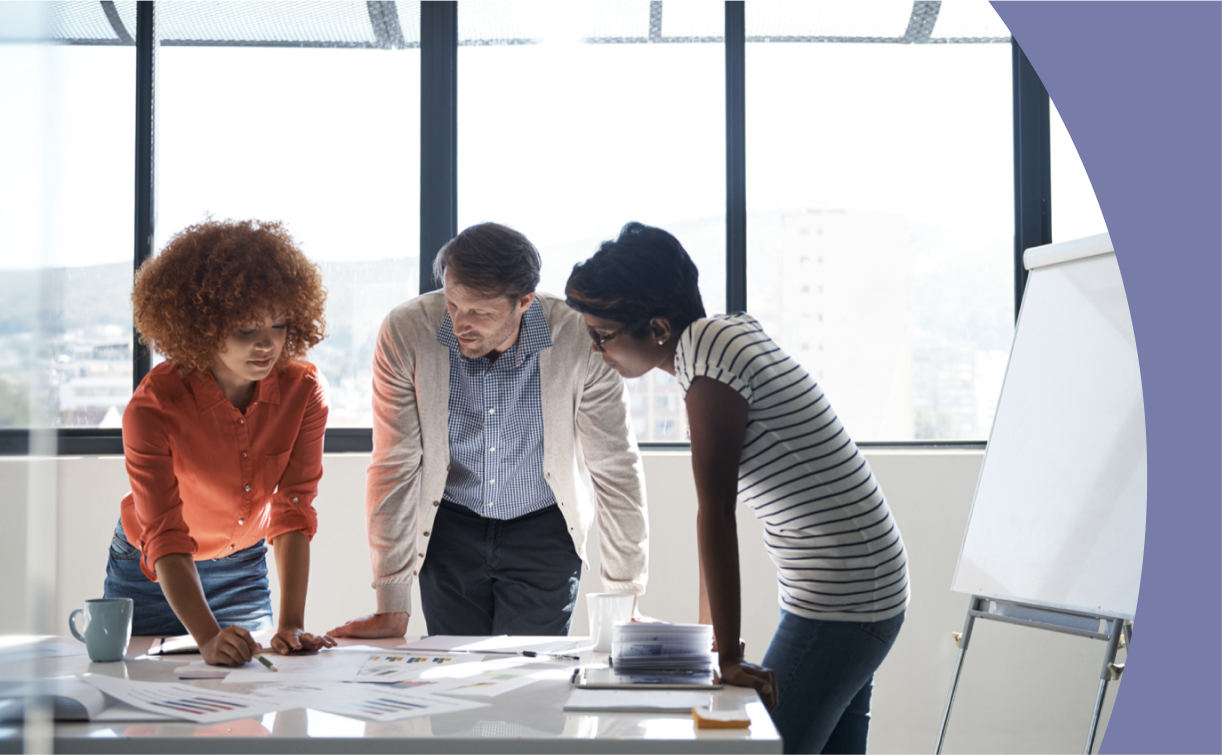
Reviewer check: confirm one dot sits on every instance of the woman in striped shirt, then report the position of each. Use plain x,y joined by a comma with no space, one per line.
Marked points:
763,433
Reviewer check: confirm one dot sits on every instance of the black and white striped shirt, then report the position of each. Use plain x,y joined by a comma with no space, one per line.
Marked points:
827,526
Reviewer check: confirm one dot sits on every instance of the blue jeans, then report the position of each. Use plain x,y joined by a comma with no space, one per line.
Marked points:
235,586
825,671
499,576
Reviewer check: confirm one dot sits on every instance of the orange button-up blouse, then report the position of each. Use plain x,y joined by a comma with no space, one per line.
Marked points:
208,480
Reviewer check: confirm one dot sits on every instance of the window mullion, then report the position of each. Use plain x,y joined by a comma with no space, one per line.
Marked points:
438,132
1032,167
146,160
736,158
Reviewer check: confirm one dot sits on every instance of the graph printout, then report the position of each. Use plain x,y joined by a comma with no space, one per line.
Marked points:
372,702
496,677
404,667
183,701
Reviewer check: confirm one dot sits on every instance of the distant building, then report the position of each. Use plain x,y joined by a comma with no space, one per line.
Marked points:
845,313
658,411
94,376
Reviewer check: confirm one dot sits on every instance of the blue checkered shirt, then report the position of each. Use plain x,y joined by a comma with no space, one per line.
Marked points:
496,424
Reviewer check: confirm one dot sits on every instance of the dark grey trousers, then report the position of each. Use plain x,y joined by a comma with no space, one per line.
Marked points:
499,576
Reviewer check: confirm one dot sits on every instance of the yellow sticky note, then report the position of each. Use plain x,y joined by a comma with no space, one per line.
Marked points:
720,719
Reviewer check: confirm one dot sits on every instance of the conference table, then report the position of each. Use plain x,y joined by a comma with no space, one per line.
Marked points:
529,719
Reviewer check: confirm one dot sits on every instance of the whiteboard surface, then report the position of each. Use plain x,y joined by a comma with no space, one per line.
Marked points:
1059,515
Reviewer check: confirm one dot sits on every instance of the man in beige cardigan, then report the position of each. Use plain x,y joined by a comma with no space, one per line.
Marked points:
491,414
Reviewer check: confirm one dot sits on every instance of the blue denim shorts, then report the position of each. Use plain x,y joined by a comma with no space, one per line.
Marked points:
235,586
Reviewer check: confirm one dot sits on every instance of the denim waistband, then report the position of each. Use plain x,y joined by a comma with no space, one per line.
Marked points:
119,533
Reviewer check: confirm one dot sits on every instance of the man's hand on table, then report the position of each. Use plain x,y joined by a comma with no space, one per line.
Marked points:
374,626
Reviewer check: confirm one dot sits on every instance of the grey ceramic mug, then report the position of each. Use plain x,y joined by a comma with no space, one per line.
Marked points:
108,627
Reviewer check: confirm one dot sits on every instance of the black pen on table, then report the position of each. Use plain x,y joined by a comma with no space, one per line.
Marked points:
527,653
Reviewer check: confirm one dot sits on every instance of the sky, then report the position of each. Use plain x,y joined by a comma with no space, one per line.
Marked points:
565,142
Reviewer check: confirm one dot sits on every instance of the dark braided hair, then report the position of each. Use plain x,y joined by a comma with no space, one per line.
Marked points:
642,274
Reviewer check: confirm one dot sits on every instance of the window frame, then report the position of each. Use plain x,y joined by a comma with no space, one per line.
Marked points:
439,43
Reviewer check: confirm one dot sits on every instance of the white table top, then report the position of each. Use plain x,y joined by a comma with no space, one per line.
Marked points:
530,719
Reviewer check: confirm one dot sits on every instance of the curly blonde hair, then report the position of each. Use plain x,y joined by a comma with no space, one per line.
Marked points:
216,276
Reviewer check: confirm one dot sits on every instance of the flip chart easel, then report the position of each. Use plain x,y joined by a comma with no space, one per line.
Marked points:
1055,537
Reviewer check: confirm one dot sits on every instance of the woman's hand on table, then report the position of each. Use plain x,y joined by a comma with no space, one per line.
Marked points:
291,639
232,646
762,680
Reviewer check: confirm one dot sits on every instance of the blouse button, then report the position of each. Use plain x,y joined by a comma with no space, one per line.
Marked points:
247,488
243,454
231,547
241,521
241,420
294,499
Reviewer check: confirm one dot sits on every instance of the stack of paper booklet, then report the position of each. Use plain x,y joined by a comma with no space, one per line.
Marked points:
648,646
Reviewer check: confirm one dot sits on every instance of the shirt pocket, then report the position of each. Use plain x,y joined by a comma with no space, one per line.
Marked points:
273,469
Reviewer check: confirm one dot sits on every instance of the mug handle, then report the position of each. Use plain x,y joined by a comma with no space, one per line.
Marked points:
72,624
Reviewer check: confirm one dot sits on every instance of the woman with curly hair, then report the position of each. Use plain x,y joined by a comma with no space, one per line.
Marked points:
223,441
763,433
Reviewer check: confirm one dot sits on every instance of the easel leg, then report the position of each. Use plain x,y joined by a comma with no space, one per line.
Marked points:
1109,660
954,681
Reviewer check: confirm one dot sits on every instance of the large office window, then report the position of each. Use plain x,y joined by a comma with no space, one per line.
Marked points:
66,264
307,114
879,143
880,225
575,118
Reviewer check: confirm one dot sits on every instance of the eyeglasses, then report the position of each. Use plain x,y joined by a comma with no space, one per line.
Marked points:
600,340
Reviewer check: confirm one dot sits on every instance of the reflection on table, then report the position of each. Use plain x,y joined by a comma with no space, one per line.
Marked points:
530,719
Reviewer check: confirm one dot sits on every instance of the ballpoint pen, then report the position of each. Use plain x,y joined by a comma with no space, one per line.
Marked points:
527,653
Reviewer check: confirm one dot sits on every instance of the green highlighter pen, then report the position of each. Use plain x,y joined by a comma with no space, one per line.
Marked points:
267,663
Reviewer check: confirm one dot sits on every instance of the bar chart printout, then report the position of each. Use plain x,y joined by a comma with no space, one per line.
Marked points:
401,667
372,702
183,701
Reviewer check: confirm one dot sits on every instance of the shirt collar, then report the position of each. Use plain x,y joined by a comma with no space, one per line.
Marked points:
534,335
209,395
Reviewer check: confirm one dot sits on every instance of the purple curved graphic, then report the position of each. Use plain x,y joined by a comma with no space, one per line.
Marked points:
1139,86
